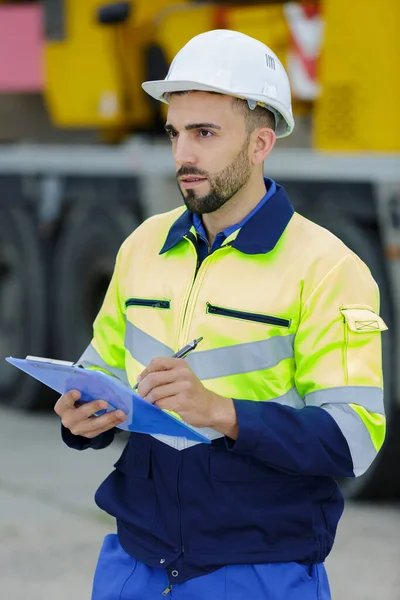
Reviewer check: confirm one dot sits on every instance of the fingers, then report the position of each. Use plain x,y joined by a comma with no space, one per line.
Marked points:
88,409
66,406
66,402
160,363
80,421
162,392
166,404
155,379
91,427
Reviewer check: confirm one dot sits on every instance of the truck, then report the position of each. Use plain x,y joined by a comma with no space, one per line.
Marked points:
84,159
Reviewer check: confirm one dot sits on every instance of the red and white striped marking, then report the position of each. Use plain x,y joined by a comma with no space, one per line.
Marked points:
307,29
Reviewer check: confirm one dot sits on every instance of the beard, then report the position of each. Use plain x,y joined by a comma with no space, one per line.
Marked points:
223,185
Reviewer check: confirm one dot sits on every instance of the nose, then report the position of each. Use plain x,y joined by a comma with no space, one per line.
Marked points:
183,152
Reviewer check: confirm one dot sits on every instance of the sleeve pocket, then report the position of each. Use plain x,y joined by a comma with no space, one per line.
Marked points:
362,320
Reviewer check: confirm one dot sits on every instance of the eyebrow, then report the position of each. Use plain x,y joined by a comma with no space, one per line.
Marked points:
169,127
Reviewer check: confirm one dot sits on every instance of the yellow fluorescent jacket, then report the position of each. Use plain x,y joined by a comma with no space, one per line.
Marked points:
296,322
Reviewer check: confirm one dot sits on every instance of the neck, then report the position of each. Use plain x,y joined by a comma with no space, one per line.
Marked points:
236,209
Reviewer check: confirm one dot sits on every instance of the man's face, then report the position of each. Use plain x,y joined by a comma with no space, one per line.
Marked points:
210,148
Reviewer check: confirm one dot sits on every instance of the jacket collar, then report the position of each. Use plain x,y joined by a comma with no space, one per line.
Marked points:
258,236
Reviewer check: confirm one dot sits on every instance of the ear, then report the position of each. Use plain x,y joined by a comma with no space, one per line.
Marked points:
264,141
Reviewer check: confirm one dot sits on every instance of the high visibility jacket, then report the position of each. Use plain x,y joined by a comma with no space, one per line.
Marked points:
289,317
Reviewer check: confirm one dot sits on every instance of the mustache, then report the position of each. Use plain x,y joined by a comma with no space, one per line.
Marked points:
184,171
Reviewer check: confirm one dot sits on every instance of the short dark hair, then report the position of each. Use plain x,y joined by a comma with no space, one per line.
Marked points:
254,119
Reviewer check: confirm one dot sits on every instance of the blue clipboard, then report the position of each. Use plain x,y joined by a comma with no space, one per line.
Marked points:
143,417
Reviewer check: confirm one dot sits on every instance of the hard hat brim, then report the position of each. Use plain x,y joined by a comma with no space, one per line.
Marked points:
157,89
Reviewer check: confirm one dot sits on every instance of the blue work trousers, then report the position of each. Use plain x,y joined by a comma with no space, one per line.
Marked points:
119,576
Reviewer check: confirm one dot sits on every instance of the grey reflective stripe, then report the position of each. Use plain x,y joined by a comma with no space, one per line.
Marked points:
361,448
182,443
219,362
370,398
142,346
291,398
91,358
241,358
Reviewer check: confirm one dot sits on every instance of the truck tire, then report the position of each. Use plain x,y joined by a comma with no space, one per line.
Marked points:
83,264
378,481
22,305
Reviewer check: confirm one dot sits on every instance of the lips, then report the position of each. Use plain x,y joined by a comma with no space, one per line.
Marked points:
192,179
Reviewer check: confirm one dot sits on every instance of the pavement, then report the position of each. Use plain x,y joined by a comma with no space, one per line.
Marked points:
51,530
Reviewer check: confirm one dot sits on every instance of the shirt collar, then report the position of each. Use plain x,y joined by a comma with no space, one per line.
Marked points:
260,232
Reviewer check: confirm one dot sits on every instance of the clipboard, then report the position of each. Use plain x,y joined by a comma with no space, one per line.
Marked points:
143,417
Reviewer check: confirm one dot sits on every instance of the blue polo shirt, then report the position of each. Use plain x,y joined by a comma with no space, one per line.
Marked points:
202,241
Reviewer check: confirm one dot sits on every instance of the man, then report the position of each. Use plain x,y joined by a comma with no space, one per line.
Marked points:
287,378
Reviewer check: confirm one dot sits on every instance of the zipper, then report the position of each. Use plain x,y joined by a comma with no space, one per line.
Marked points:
247,316
167,591
191,238
148,303
195,288
178,484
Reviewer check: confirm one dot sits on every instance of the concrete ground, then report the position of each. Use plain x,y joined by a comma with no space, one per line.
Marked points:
51,530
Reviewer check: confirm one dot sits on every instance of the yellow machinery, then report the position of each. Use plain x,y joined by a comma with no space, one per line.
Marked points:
93,73
359,71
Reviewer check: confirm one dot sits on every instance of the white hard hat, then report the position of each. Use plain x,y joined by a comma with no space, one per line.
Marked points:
231,63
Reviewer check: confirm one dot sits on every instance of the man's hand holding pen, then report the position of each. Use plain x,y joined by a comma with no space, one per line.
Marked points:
170,384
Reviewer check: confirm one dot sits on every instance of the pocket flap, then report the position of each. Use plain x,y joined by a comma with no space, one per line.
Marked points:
363,320
135,460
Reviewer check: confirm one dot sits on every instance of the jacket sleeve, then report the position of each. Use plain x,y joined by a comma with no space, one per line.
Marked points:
338,375
106,353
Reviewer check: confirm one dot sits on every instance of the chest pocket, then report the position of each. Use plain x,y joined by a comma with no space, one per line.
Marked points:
247,316
148,303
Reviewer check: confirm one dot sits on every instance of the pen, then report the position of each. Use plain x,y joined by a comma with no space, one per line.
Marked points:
182,353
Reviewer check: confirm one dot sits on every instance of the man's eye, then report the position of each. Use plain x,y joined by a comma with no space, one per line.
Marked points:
205,133
172,134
